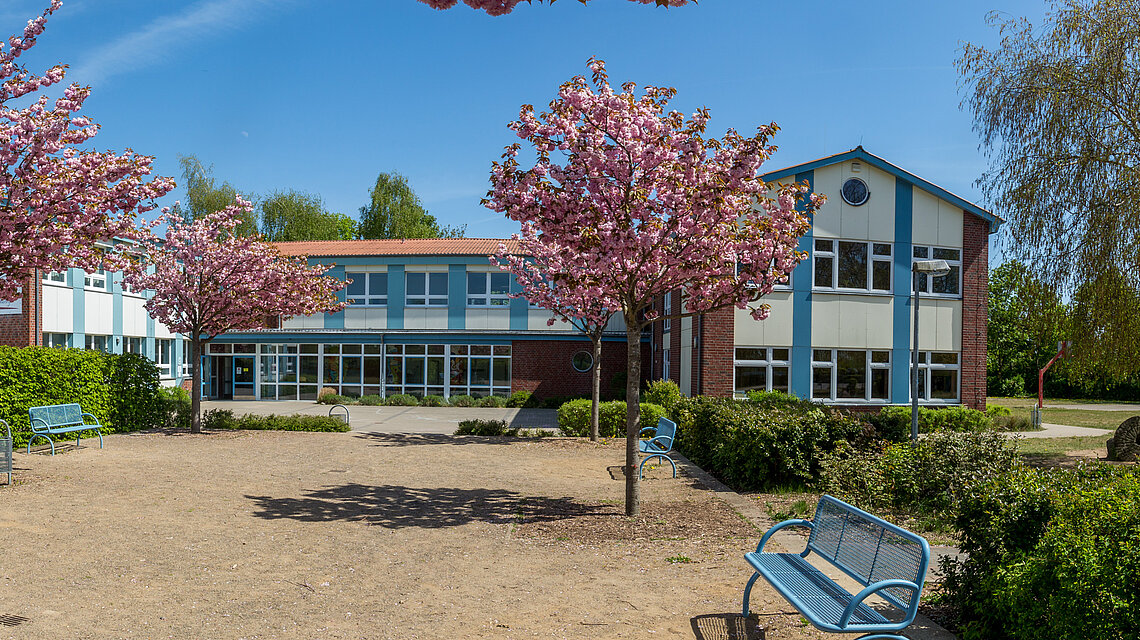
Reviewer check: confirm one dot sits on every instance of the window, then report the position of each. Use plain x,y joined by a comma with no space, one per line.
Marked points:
367,289
163,350
853,266
426,289
56,340
134,345
949,285
760,369
488,289
97,280
667,310
57,277
582,361
938,376
665,367
851,375
95,343
187,358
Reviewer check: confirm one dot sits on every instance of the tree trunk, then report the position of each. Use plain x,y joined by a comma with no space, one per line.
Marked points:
596,391
196,385
632,414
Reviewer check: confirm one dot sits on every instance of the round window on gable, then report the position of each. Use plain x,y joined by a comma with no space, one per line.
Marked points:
582,361
855,192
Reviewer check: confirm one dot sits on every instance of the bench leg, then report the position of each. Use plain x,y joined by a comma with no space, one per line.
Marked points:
39,435
641,469
748,592
882,636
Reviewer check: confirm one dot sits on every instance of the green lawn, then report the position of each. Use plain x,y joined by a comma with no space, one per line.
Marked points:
1071,417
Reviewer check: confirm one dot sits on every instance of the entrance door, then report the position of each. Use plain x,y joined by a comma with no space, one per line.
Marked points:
243,378
221,377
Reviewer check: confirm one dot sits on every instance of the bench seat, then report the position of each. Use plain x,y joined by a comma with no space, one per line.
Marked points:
61,418
818,597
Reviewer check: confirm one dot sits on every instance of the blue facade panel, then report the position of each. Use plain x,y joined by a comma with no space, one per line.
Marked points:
900,347
395,296
336,320
801,310
520,309
456,296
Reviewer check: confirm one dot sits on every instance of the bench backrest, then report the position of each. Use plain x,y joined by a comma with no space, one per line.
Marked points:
55,416
666,429
868,548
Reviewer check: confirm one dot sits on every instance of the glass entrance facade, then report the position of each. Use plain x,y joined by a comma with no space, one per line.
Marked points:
300,371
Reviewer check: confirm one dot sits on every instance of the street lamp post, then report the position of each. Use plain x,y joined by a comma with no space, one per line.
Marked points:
920,269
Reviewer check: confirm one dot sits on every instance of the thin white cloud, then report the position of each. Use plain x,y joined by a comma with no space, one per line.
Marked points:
163,37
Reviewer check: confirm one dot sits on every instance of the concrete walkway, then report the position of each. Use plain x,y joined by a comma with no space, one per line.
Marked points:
430,420
1062,431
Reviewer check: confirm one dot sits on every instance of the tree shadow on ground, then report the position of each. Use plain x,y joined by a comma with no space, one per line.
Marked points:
395,507
414,439
726,626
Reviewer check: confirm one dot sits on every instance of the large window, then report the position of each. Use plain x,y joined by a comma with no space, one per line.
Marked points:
852,266
55,277
485,289
426,289
367,289
97,280
96,343
761,369
949,285
163,352
187,358
851,375
666,311
134,345
938,376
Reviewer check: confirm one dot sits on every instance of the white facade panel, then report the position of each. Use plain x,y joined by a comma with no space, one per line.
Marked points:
852,321
315,321
134,316
425,318
58,309
537,318
776,331
488,319
939,325
874,220
162,331
366,318
98,313
686,356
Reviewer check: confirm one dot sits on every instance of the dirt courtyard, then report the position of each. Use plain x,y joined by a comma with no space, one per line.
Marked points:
314,535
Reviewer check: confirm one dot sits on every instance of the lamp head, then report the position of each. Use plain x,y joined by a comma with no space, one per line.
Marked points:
932,268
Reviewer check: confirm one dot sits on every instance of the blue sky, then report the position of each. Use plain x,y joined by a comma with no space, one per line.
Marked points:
321,96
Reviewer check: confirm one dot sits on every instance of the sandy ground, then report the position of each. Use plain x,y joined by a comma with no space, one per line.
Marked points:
304,535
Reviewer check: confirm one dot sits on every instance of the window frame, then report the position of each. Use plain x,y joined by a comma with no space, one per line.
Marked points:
49,277
869,367
770,363
89,280
430,300
666,310
369,298
926,366
926,288
90,342
872,258
163,357
487,299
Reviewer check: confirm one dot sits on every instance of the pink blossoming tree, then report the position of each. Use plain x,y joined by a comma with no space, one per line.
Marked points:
207,280
503,7
627,202
56,201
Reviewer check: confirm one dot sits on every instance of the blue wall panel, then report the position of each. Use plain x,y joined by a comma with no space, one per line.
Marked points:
78,308
900,354
457,296
336,320
395,296
801,311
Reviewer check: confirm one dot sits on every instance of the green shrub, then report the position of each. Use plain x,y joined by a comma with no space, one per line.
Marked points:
371,400
523,399
492,402
401,400
1014,423
461,401
574,418
997,411
663,393
1051,554
894,422
176,407
928,479
755,447
333,398
224,419
433,401
136,400
481,427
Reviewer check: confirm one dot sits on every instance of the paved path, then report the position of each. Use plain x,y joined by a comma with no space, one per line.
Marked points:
1063,431
433,420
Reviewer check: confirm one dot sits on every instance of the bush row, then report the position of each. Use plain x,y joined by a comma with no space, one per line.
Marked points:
574,418
518,399
225,419
1051,554
122,391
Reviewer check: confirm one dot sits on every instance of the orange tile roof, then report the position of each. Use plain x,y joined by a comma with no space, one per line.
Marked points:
423,247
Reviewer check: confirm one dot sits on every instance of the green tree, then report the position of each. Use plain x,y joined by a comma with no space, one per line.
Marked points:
205,196
288,216
395,211
1026,321
1058,111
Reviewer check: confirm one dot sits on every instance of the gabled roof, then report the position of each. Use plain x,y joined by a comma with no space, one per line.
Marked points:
420,247
858,153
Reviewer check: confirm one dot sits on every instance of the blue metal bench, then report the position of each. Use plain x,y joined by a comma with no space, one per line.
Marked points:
659,445
6,452
61,418
886,560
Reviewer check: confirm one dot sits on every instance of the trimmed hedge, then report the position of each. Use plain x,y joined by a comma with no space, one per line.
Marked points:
481,427
1052,554
778,442
894,422
224,419
120,390
574,418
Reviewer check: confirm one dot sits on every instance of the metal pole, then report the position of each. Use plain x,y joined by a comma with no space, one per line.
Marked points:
914,366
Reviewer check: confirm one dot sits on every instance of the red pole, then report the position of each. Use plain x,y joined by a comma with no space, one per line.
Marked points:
1041,377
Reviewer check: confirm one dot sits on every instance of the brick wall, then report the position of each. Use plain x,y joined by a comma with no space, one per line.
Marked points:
975,290
712,356
24,329
543,366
